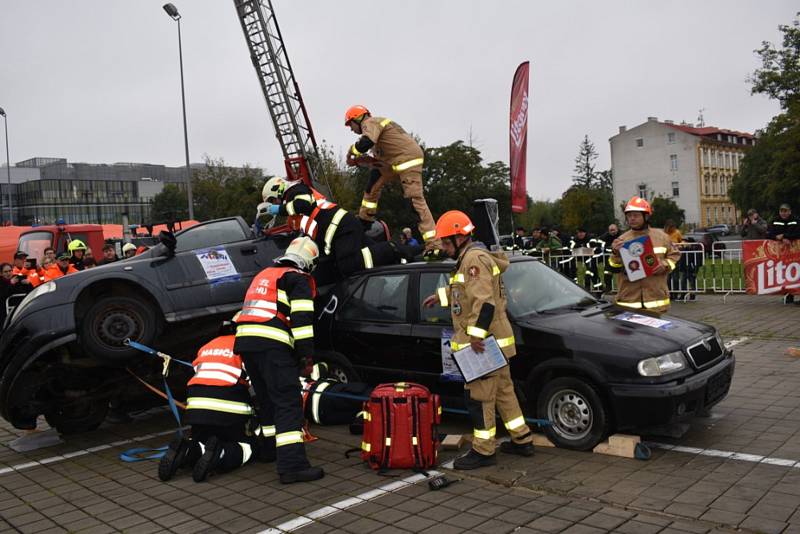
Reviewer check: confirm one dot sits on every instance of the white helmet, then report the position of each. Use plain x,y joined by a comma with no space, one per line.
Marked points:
128,247
303,252
273,189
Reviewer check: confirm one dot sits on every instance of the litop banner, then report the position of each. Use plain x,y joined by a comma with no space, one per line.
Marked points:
518,138
771,267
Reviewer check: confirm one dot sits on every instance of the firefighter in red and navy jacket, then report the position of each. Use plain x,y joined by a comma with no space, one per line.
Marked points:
336,231
218,408
274,334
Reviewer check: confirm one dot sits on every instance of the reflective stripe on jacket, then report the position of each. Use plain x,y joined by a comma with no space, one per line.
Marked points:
217,365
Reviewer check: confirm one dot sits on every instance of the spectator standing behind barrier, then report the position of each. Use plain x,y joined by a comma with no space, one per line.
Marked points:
753,226
691,261
109,254
785,228
677,238
518,238
548,244
20,274
6,289
608,238
410,238
49,253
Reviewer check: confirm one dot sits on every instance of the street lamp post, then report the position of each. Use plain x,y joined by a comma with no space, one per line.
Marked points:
172,11
8,169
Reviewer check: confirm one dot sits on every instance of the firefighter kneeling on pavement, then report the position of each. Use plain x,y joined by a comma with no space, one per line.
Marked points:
219,410
652,292
477,301
274,335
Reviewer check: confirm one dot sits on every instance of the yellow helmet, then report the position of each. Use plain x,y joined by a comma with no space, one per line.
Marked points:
302,252
273,189
76,244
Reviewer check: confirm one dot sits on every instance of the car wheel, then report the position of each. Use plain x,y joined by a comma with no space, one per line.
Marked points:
339,367
578,415
77,415
113,319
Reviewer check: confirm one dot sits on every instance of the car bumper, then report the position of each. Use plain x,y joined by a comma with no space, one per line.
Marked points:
664,404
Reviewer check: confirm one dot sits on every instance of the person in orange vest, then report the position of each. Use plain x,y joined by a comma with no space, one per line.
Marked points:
19,274
219,409
61,268
652,292
35,273
397,156
336,232
272,347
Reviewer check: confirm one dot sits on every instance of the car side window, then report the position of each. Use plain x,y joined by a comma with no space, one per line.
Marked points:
211,234
378,298
428,284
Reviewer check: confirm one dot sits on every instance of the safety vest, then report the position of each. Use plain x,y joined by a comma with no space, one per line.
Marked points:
263,297
317,199
217,365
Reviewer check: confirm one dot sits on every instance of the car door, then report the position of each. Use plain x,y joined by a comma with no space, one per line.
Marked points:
373,329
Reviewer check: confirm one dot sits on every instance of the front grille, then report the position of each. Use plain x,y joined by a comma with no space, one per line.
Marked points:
705,352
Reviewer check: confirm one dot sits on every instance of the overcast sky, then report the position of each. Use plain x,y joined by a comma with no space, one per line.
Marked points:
98,81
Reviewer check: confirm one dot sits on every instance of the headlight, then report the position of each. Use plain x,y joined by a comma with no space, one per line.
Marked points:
43,289
662,365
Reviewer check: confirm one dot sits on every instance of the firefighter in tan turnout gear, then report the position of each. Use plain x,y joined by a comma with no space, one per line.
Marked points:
477,301
650,293
396,156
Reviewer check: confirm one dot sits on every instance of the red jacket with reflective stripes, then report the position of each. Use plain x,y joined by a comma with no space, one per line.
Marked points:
217,365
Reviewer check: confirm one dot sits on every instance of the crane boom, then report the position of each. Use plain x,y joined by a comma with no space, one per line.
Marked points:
281,92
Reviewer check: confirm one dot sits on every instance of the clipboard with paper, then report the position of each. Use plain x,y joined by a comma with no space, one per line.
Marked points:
474,365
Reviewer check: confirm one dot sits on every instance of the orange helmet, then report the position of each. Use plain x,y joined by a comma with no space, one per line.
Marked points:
354,112
454,222
638,204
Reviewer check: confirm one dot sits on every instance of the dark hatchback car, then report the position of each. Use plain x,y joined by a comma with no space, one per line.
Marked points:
590,367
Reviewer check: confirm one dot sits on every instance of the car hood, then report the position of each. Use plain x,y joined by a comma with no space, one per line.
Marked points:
605,328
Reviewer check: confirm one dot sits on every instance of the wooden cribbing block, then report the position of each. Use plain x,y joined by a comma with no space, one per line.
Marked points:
453,441
540,440
619,445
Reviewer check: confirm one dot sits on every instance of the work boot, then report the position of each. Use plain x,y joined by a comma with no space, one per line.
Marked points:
520,449
208,462
304,475
175,458
474,460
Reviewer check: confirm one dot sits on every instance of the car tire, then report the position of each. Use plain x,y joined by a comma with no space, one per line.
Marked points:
578,414
113,319
339,367
82,415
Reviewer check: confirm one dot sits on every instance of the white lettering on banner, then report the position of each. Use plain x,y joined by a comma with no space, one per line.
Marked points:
228,353
518,126
773,277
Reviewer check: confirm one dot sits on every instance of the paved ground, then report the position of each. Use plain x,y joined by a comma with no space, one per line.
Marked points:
738,469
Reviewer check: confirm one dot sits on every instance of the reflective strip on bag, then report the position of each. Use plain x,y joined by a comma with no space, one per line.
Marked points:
414,440
218,405
268,431
369,205
484,434
303,332
477,332
288,438
302,305
408,164
365,446
442,293
315,401
269,332
337,218
388,442
385,122
515,423
367,255
427,236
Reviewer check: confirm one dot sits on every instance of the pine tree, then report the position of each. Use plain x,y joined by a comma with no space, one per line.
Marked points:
585,175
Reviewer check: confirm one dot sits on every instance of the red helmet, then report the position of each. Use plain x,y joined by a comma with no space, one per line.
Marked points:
354,112
454,222
638,204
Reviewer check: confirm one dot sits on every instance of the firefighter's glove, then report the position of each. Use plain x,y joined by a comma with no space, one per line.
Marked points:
306,366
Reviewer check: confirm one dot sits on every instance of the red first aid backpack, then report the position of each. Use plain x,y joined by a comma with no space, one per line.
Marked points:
400,427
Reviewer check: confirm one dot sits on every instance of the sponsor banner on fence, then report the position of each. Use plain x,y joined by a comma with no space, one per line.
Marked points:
771,267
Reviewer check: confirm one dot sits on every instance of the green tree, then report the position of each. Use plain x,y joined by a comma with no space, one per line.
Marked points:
223,191
588,207
585,175
169,205
769,172
663,209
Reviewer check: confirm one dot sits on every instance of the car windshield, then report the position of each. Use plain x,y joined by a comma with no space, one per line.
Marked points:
34,243
532,287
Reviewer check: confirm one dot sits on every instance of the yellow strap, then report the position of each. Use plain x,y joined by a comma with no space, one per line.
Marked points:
442,293
369,205
408,164
367,255
385,122
484,434
515,423
477,332
302,305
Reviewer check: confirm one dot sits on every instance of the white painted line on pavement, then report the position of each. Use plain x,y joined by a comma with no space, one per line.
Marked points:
734,342
335,508
80,452
730,455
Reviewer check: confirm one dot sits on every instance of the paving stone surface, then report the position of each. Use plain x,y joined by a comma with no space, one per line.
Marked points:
69,488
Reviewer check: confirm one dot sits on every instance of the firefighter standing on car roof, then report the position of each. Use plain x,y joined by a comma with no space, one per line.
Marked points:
77,250
652,292
397,156
477,301
218,408
336,232
275,332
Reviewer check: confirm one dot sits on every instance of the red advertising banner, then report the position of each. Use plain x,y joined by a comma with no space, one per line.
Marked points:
771,267
518,138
